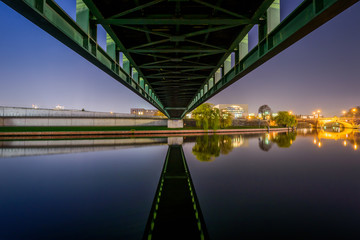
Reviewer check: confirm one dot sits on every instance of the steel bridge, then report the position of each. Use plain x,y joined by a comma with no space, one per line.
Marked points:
346,122
176,54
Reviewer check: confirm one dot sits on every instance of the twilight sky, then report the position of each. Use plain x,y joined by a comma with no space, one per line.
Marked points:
321,71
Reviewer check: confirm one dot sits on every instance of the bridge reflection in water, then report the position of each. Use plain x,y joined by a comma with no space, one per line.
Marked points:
347,136
175,208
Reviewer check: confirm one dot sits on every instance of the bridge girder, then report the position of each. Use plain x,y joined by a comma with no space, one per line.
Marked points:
182,48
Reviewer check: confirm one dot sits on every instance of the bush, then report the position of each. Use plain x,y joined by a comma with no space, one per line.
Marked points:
284,119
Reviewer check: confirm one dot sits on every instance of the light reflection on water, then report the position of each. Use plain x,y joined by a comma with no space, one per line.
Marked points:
210,147
289,185
280,185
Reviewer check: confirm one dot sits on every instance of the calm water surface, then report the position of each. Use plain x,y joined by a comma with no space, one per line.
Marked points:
303,185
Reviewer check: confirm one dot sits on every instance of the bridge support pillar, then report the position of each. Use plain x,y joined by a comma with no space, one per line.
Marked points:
175,141
175,123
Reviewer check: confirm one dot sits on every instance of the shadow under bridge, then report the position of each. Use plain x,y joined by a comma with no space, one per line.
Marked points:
176,54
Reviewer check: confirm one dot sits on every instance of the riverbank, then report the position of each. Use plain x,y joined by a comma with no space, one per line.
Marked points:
129,131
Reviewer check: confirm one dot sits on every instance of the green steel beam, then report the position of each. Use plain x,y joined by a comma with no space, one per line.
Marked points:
108,29
220,9
177,76
204,44
310,15
175,108
176,72
209,30
154,55
155,63
80,38
172,50
180,37
257,15
150,44
176,21
201,55
146,31
137,8
173,83
176,66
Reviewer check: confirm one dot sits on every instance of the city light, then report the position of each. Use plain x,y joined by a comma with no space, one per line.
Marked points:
354,110
319,144
314,141
290,112
355,147
345,143
344,112
59,107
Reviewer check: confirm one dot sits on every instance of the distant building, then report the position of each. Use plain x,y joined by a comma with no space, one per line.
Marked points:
238,110
264,112
143,111
310,116
59,107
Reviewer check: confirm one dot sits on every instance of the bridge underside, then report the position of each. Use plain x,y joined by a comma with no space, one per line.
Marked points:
176,54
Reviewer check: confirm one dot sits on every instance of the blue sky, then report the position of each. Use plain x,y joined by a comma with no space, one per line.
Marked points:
320,71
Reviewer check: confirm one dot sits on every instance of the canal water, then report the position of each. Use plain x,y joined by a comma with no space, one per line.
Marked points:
288,185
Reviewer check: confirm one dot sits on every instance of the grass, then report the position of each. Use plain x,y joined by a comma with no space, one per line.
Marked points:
88,128
106,128
252,127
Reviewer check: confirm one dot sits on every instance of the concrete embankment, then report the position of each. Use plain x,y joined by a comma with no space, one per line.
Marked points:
26,117
17,148
139,132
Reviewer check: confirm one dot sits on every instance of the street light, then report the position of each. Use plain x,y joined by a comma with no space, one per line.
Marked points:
354,110
318,112
318,116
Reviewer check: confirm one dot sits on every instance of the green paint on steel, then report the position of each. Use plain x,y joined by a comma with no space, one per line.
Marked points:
82,15
79,36
303,20
174,21
163,49
175,206
111,47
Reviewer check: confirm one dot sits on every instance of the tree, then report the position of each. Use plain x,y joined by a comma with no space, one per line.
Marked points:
285,140
284,119
215,118
206,116
353,112
264,110
207,148
225,119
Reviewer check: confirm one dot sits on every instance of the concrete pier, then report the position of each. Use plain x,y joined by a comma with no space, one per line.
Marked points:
175,123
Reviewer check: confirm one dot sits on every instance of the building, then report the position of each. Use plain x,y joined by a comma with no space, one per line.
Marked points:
143,111
237,110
